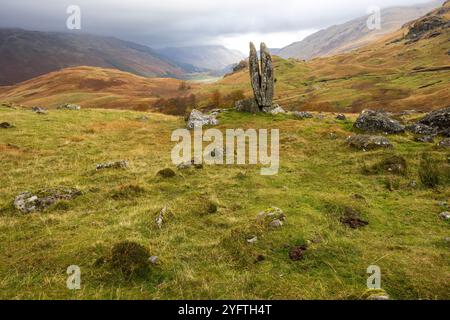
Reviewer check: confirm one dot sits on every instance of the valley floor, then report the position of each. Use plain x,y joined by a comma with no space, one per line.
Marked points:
205,255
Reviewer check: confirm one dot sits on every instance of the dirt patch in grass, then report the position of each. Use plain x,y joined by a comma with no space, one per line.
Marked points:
297,253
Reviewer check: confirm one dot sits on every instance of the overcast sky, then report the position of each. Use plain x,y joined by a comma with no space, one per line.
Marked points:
160,23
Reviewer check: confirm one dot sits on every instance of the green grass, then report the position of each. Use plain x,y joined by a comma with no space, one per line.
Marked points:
204,255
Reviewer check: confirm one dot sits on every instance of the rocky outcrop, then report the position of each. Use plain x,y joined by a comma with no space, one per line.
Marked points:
437,120
427,27
378,121
368,142
262,76
28,202
197,120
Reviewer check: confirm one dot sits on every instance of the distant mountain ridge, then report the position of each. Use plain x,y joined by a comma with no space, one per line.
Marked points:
354,34
28,54
204,57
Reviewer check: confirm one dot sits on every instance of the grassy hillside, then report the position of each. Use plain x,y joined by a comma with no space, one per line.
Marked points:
202,253
93,87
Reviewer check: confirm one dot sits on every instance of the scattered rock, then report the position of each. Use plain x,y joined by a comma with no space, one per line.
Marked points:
438,119
422,129
273,217
302,115
69,106
341,117
6,125
425,139
297,253
252,240
412,184
28,202
443,204
378,121
368,142
113,165
39,110
351,218
277,223
274,110
190,164
197,120
445,143
247,105
153,260
129,257
445,215
166,173
162,216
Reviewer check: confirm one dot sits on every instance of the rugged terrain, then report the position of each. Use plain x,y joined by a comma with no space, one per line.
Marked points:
204,253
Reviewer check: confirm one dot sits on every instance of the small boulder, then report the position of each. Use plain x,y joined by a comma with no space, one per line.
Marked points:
273,217
425,139
368,142
113,165
252,240
38,110
247,105
197,120
28,202
341,117
69,106
445,143
302,115
438,119
445,215
378,121
274,110
422,129
162,216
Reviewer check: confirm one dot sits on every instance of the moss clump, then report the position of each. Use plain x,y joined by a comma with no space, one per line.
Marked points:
429,171
166,173
391,164
128,192
129,258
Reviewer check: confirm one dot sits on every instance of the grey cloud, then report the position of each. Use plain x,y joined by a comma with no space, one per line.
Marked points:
180,22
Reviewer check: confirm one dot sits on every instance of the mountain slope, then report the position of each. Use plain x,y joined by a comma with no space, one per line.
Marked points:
27,54
354,34
205,57
93,87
